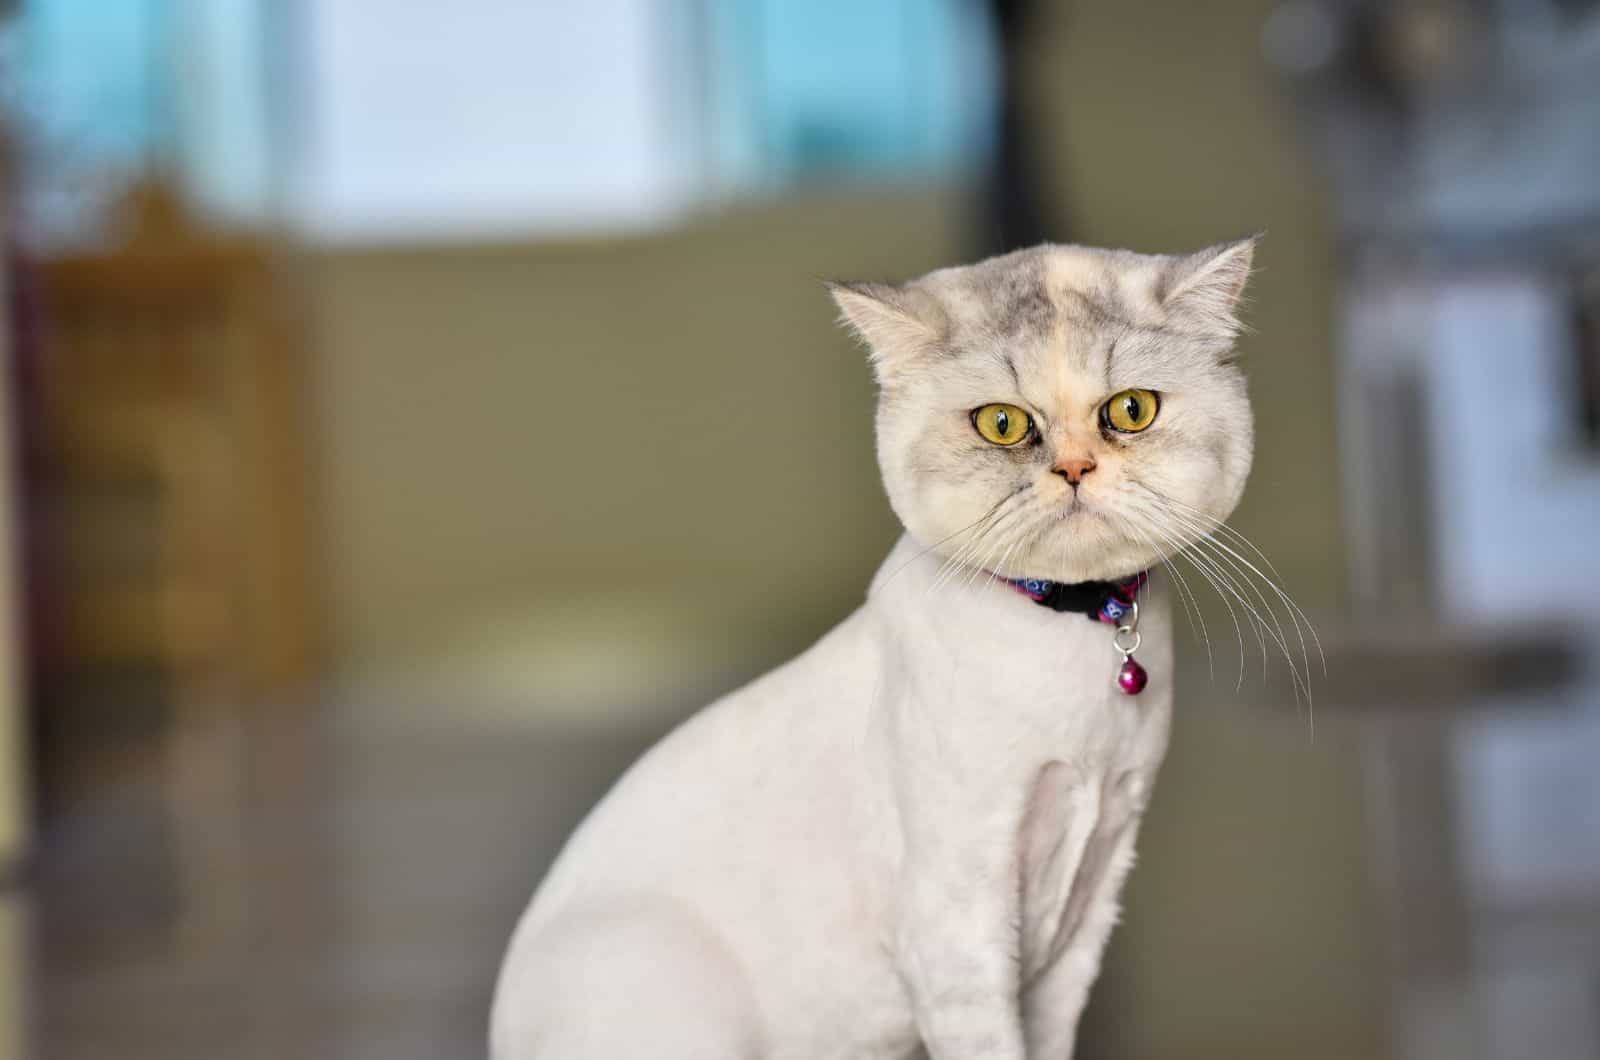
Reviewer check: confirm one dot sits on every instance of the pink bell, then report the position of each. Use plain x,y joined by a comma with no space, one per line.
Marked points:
1131,678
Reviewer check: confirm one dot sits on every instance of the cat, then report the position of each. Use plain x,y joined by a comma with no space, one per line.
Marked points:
910,839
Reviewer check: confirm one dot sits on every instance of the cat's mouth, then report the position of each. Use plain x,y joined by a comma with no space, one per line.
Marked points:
1074,506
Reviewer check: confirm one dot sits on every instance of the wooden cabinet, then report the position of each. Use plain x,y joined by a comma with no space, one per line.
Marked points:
173,483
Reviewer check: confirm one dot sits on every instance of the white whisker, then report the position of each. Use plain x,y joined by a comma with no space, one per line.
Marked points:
1221,551
929,548
992,522
1227,567
1207,520
1222,554
1184,594
1197,552
1178,550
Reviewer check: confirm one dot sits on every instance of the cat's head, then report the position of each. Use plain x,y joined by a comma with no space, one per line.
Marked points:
1061,412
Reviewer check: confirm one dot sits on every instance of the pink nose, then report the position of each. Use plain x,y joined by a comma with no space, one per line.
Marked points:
1074,470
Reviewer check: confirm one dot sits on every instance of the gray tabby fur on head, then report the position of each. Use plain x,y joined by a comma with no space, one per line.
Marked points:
1057,330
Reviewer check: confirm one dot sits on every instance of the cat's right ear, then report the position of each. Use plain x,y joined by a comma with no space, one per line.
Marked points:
898,325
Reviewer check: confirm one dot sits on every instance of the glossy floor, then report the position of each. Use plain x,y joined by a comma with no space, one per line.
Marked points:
344,893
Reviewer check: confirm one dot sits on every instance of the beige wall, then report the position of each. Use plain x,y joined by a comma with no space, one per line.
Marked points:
670,414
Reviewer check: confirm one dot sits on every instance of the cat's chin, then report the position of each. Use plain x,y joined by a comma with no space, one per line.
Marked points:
1087,572
1080,562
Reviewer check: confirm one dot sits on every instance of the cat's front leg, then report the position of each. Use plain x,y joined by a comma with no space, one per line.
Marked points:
1054,1001
957,951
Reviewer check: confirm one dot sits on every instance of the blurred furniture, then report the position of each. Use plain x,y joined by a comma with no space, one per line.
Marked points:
173,478
1461,141
172,492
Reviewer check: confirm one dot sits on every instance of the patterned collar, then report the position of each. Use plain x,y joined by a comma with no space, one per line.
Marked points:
1108,602
1115,603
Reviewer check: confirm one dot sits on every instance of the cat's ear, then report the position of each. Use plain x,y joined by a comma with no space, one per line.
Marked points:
1204,288
897,324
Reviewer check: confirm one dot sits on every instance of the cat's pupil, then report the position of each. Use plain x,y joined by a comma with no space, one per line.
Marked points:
1130,405
1002,422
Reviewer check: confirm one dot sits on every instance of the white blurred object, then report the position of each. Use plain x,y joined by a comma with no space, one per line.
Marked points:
1460,401
491,118
503,119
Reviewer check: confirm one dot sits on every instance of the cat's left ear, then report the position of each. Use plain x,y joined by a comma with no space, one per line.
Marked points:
897,324
1204,288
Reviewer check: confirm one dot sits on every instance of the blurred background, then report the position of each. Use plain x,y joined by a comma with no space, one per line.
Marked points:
411,411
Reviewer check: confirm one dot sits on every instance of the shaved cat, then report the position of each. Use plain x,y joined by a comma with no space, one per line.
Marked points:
910,839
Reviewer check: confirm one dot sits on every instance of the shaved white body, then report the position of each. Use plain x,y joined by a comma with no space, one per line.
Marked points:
914,831
909,840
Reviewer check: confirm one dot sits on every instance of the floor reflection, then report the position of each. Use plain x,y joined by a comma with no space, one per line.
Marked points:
345,893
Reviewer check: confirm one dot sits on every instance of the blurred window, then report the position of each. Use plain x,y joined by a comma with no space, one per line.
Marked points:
81,98
83,70
901,88
513,118
99,93
368,120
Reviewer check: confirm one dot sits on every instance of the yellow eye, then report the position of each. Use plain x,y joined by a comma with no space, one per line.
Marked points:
1002,424
1131,411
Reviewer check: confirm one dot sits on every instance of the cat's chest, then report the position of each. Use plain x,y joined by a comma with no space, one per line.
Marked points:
1074,820
1082,790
